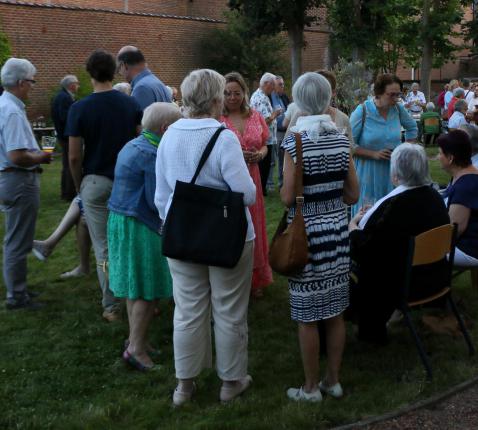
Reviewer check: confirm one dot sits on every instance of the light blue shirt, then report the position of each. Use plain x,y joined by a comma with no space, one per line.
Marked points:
148,89
15,130
379,133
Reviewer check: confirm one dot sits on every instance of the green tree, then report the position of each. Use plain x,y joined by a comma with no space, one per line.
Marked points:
5,50
274,16
383,33
236,47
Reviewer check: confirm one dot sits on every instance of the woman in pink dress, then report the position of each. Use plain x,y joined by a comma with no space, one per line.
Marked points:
252,131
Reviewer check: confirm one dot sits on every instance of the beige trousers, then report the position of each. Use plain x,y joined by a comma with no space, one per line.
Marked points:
202,293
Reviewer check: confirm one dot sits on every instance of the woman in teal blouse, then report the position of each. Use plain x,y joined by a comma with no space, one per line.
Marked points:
377,132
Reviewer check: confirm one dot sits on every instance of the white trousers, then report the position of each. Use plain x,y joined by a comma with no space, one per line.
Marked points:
205,292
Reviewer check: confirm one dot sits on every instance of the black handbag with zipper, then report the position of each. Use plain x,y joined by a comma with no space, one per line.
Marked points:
205,225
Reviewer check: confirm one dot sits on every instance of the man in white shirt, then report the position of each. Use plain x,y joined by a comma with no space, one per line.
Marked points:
415,101
468,90
20,159
458,117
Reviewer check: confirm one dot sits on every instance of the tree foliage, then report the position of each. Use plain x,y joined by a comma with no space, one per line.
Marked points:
381,33
268,17
238,47
5,50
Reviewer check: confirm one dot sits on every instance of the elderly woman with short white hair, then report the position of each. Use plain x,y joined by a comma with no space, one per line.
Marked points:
379,241
137,270
321,290
201,291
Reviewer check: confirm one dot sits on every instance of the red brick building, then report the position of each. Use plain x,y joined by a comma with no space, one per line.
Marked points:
58,35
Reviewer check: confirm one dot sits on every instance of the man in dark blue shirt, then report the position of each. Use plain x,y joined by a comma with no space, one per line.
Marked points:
59,113
103,122
146,87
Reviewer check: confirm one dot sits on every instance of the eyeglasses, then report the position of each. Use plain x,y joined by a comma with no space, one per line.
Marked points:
32,81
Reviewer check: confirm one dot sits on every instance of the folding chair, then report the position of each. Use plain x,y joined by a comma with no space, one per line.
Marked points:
427,248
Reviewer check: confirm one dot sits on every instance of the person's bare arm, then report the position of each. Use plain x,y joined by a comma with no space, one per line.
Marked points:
287,192
460,215
351,185
25,158
75,159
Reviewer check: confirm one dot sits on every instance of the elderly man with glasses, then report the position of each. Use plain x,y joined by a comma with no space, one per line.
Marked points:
20,159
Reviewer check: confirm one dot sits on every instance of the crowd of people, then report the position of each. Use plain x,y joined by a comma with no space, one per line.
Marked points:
125,147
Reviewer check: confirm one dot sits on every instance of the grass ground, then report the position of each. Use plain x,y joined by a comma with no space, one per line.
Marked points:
60,367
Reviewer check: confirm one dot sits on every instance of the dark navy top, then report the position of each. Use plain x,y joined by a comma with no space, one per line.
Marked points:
105,121
465,192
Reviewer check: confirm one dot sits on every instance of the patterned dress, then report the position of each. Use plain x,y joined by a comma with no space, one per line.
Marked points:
321,291
253,138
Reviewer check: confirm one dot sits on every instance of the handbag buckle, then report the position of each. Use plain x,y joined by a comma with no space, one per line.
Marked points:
299,200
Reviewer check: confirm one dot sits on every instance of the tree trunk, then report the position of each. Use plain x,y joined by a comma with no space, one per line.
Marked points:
296,42
357,52
427,52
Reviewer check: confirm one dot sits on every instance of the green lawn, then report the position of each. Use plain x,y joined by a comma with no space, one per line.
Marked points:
60,367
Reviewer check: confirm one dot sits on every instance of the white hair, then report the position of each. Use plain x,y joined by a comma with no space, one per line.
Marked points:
415,84
430,106
409,165
123,87
201,90
160,114
267,77
460,105
312,93
16,69
472,131
458,92
68,80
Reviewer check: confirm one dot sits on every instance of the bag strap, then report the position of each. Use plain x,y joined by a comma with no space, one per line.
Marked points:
364,117
299,184
206,152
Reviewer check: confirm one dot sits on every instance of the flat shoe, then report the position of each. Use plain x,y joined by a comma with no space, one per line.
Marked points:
229,393
39,251
152,352
335,390
299,395
75,273
180,397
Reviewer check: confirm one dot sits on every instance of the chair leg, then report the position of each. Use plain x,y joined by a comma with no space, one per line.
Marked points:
474,278
418,343
466,335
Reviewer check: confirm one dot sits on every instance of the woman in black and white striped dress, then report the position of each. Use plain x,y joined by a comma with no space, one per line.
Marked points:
320,292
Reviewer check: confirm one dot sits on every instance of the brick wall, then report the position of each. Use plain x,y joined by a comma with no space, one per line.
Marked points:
58,41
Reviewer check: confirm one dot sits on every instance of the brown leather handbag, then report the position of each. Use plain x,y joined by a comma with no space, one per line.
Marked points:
289,250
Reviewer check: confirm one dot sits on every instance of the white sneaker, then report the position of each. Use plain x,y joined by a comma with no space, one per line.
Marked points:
334,391
229,393
181,397
299,395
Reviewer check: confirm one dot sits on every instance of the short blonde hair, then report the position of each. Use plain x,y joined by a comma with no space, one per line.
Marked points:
160,114
201,90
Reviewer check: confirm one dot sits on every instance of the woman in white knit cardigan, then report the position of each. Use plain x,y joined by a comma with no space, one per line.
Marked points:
203,291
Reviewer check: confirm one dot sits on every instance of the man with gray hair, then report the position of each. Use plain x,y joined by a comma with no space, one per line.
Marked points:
59,113
261,102
146,88
430,123
415,100
458,118
472,131
20,159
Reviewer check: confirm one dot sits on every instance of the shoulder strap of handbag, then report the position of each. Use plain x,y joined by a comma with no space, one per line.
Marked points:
299,185
206,153
364,117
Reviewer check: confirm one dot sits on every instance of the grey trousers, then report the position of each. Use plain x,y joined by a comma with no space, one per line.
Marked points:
95,191
19,200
